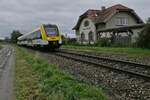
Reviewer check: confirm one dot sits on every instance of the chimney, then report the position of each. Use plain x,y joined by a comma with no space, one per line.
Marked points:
103,8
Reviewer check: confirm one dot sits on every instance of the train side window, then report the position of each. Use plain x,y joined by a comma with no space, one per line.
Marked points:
38,34
33,35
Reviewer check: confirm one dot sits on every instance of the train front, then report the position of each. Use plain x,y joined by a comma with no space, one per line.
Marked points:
53,36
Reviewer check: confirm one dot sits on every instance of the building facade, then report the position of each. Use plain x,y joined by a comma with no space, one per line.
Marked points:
117,23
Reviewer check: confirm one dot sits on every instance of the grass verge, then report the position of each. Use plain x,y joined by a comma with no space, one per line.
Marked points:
0,46
131,52
38,80
26,81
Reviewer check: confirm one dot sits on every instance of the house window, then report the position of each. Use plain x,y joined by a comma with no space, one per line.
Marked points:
82,36
121,21
86,23
91,36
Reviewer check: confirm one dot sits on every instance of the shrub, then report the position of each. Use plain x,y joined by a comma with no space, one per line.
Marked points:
104,42
118,44
69,41
144,37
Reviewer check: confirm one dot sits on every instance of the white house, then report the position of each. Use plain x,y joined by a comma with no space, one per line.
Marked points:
117,23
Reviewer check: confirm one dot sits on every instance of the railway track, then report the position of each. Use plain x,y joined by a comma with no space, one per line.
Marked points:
131,68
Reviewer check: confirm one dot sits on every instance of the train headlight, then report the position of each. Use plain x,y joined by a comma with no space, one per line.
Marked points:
60,41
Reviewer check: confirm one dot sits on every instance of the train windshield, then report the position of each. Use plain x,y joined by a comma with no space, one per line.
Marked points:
51,31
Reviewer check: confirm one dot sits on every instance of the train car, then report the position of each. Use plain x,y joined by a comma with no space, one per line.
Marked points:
47,35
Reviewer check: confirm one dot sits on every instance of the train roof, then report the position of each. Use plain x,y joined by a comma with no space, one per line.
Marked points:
26,34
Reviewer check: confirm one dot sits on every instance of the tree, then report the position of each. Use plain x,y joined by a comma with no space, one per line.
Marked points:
14,35
7,39
148,20
144,37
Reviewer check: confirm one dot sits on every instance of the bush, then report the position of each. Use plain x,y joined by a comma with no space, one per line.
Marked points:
144,37
69,41
104,42
118,44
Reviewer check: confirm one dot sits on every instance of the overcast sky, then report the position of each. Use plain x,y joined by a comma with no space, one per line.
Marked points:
25,15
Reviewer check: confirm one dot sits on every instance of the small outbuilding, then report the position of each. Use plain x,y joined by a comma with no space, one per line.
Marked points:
117,23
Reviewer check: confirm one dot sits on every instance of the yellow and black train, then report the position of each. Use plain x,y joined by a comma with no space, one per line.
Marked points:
47,35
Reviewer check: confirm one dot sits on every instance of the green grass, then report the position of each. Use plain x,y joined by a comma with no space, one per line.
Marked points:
131,52
50,82
0,46
26,81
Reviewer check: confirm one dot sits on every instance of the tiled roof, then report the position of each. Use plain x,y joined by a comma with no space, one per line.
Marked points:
102,16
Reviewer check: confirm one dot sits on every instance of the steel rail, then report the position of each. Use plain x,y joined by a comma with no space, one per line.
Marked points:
136,74
108,59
